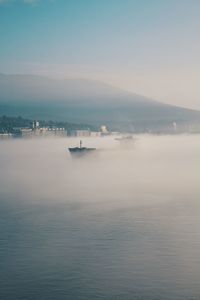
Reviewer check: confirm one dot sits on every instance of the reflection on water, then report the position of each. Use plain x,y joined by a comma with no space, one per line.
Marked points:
122,223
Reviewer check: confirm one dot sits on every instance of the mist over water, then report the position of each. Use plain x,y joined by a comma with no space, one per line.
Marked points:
120,223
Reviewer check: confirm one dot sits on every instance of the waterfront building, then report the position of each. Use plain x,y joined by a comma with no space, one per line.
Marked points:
82,133
95,134
104,129
6,136
26,132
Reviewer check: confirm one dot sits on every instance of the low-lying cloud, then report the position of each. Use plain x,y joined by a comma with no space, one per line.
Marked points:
122,221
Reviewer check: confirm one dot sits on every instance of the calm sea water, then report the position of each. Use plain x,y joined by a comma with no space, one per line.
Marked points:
122,223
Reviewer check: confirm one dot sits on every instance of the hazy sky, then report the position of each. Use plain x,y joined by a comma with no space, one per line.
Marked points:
151,47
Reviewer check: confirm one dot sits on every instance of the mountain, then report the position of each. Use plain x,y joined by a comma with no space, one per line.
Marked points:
90,101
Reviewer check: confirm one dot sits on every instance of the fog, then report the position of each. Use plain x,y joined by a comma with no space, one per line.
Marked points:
147,170
118,223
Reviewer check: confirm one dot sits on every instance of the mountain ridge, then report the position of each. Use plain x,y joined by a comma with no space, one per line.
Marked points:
84,100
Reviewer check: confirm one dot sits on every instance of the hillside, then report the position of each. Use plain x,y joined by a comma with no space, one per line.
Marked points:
80,100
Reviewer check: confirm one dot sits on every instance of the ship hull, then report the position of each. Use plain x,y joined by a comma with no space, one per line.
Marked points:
83,150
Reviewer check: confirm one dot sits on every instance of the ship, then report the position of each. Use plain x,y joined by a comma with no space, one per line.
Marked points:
80,149
125,138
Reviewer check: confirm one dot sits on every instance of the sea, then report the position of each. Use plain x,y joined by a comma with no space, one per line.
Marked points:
120,223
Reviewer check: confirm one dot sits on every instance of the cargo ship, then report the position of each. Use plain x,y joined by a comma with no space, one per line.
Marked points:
80,149
128,137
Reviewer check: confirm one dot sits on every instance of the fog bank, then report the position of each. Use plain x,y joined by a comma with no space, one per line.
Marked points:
150,169
120,223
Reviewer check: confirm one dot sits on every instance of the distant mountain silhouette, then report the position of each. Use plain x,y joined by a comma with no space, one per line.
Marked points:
81,100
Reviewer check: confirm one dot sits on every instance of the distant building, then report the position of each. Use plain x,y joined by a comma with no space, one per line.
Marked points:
26,132
95,133
81,133
58,131
6,136
48,131
174,124
115,133
36,125
104,129
42,131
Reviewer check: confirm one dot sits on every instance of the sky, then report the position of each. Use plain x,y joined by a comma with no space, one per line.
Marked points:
148,47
